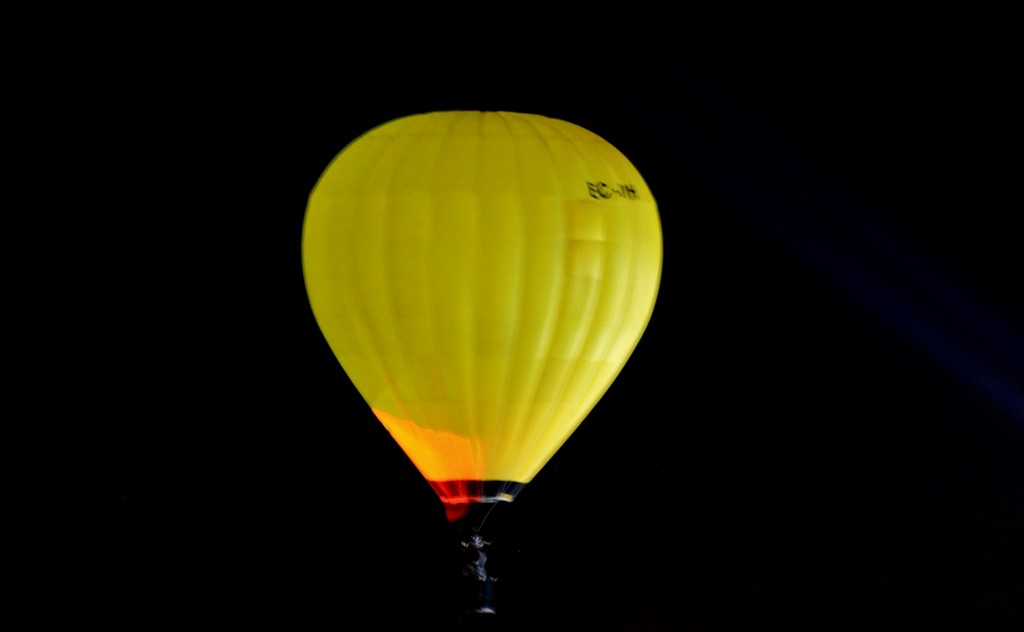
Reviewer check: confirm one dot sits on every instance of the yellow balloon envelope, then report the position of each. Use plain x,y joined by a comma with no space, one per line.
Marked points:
482,277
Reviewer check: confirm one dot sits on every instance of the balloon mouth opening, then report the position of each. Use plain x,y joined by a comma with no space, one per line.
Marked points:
454,511
460,496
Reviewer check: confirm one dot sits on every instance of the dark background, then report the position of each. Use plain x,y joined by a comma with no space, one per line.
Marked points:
820,430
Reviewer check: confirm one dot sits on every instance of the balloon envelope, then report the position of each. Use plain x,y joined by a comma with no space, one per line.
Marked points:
482,277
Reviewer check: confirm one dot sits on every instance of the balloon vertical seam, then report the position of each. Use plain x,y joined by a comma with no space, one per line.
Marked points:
551,327
519,422
569,375
473,411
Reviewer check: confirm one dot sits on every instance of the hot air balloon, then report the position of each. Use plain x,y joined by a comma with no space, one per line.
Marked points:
482,278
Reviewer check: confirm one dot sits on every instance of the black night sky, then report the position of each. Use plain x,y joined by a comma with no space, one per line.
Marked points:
822,428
